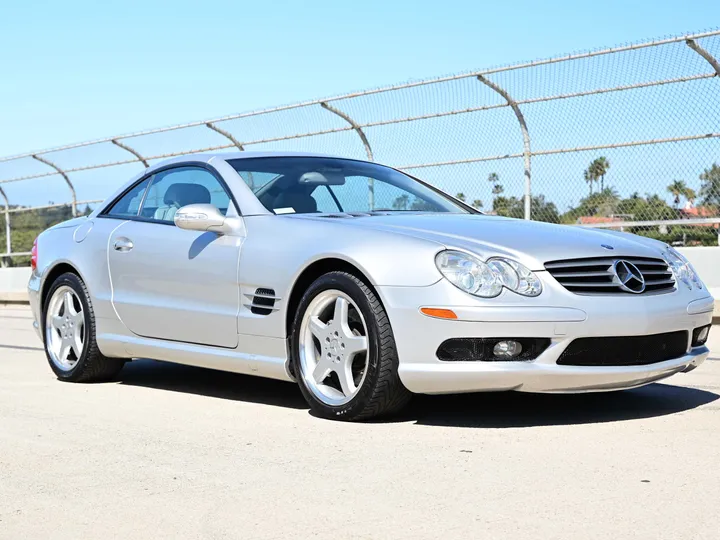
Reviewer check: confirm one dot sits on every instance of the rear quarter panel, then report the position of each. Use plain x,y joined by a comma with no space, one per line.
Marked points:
81,243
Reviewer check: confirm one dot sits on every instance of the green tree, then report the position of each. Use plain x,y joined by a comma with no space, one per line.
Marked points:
603,203
25,226
460,196
679,190
514,207
710,188
598,169
401,202
477,203
419,204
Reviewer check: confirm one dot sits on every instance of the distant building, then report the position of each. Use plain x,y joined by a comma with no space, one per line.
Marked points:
595,220
695,212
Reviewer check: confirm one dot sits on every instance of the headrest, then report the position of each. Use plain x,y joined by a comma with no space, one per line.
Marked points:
184,194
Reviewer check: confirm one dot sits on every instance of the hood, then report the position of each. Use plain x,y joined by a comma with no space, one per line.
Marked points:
532,243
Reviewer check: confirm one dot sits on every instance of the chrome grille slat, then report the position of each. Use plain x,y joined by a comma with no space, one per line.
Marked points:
585,276
659,282
590,284
644,262
657,273
580,274
578,263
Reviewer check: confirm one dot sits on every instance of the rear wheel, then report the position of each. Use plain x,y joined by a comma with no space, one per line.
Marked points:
344,351
69,330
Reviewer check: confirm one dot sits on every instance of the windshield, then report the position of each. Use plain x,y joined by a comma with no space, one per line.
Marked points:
304,185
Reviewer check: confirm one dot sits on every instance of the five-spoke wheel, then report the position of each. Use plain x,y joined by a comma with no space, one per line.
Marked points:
65,328
344,352
69,330
333,347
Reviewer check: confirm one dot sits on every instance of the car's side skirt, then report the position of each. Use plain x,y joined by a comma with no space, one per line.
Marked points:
261,356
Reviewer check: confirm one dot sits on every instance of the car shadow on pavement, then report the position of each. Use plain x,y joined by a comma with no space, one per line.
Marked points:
479,410
515,409
211,383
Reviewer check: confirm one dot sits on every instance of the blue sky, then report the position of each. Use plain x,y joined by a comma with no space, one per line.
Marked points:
77,70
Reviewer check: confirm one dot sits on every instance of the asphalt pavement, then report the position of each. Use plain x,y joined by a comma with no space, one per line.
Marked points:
176,452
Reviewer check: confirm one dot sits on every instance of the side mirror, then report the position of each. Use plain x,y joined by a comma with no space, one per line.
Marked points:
201,217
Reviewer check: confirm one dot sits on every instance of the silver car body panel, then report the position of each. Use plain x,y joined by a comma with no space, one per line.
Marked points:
186,297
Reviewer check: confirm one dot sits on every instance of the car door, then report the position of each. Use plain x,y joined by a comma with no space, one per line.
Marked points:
170,283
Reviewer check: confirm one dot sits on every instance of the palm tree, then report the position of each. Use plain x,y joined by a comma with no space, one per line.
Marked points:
460,196
677,190
599,168
690,195
401,202
477,203
494,179
590,179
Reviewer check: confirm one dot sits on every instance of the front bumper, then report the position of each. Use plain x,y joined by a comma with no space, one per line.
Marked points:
558,315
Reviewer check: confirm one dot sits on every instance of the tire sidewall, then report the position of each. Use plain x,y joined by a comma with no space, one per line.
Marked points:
74,282
345,283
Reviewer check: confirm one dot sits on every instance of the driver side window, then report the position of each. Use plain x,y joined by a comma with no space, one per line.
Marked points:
172,189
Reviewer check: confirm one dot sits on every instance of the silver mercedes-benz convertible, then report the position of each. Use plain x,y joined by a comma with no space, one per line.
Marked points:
361,283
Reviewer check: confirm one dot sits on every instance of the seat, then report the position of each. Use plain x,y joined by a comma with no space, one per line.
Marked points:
297,199
179,195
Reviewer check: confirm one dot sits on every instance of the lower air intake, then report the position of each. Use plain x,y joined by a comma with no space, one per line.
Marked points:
625,351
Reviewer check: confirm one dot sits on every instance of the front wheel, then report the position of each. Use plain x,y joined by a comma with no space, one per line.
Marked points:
344,351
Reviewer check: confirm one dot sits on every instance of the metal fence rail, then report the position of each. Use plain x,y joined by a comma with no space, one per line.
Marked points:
626,137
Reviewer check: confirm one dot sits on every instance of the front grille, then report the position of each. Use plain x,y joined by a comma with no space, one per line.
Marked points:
597,275
625,351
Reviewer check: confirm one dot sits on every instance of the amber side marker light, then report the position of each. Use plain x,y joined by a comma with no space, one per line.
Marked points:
438,313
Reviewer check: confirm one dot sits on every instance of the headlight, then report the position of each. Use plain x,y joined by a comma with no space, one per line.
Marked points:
487,280
682,269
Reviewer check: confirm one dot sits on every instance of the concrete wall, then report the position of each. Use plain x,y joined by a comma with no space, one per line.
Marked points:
13,284
706,261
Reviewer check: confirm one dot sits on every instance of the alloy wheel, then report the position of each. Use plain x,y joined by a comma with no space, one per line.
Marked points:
333,347
65,328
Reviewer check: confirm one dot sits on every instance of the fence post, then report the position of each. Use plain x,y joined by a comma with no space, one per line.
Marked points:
65,176
366,144
238,144
8,242
527,154
131,150
705,54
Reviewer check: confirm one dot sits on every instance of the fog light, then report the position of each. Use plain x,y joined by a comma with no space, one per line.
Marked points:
507,349
700,336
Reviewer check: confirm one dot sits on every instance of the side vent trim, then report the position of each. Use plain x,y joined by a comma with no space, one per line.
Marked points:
262,301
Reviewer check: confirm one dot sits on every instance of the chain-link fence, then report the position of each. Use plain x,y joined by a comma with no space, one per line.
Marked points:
627,137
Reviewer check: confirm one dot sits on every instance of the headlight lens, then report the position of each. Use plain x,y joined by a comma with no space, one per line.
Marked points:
468,273
682,269
487,280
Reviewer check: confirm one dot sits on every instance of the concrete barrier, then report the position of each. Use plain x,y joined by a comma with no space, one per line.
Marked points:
13,284
706,260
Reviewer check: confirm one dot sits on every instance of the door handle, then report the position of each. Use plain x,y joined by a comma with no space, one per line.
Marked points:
123,244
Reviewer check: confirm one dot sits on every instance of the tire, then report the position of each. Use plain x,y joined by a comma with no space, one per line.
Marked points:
379,391
90,365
